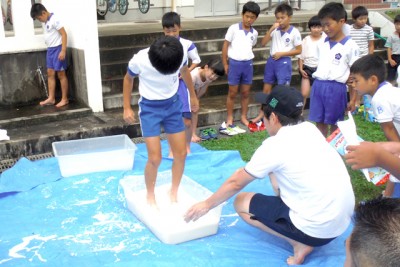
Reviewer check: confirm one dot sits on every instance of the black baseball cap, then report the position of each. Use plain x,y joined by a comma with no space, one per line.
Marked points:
284,100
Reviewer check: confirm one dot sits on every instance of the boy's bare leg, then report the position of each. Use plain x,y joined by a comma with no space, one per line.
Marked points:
267,88
244,102
331,128
389,189
323,128
188,133
51,85
195,118
62,76
153,146
242,204
305,90
177,144
230,103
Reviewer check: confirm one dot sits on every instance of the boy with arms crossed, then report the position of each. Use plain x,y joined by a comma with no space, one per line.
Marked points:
158,68
335,56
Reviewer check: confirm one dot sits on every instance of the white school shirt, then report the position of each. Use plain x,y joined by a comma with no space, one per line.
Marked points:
191,49
52,37
335,59
362,37
386,104
312,178
199,86
393,41
284,41
241,42
309,50
154,85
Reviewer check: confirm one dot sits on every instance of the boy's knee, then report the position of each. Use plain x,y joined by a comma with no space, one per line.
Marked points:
240,202
155,161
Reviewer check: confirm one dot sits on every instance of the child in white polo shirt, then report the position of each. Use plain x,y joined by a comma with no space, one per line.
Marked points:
158,69
369,78
237,57
328,98
285,43
56,40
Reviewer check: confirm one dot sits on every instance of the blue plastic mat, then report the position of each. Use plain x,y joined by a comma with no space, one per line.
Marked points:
83,220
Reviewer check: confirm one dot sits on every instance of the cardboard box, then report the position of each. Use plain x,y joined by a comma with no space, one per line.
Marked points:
167,223
97,154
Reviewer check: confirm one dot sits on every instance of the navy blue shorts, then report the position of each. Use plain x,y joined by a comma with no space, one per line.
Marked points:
392,71
278,71
328,102
52,60
273,213
240,72
156,113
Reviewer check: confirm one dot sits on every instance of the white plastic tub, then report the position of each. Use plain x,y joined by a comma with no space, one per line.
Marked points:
167,223
97,154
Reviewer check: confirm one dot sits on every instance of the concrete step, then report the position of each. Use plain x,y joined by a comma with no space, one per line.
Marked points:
29,140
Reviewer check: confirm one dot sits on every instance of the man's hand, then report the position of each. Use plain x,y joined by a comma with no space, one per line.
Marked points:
196,211
364,155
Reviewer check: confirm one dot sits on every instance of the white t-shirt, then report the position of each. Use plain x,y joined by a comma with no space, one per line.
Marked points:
154,85
309,50
191,49
241,42
386,104
285,41
362,37
312,178
51,35
199,86
335,59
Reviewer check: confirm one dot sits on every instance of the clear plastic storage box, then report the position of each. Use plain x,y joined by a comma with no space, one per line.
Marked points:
96,154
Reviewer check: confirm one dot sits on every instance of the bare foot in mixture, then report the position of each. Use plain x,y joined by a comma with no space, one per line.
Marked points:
47,102
62,103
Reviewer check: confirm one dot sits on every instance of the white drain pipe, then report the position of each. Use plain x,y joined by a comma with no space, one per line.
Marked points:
173,5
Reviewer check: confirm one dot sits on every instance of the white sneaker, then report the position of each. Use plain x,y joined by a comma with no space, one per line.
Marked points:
227,130
237,129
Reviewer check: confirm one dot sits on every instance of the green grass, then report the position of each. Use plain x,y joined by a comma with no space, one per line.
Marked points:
392,13
246,144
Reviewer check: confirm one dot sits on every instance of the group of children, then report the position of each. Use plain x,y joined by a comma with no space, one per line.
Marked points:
314,200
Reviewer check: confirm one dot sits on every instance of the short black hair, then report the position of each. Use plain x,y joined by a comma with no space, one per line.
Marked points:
314,21
359,11
333,11
368,66
251,7
37,10
375,239
166,54
215,64
170,19
396,19
284,9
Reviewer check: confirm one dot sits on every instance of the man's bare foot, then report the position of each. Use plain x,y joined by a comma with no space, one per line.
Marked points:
300,253
47,102
62,103
195,139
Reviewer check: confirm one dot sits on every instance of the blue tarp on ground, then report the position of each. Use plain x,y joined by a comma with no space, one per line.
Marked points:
83,220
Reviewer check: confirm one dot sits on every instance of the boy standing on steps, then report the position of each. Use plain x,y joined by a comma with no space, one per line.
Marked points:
237,57
393,53
158,69
56,40
363,35
171,23
285,43
335,56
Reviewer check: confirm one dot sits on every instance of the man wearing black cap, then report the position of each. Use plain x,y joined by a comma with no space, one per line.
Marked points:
314,198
